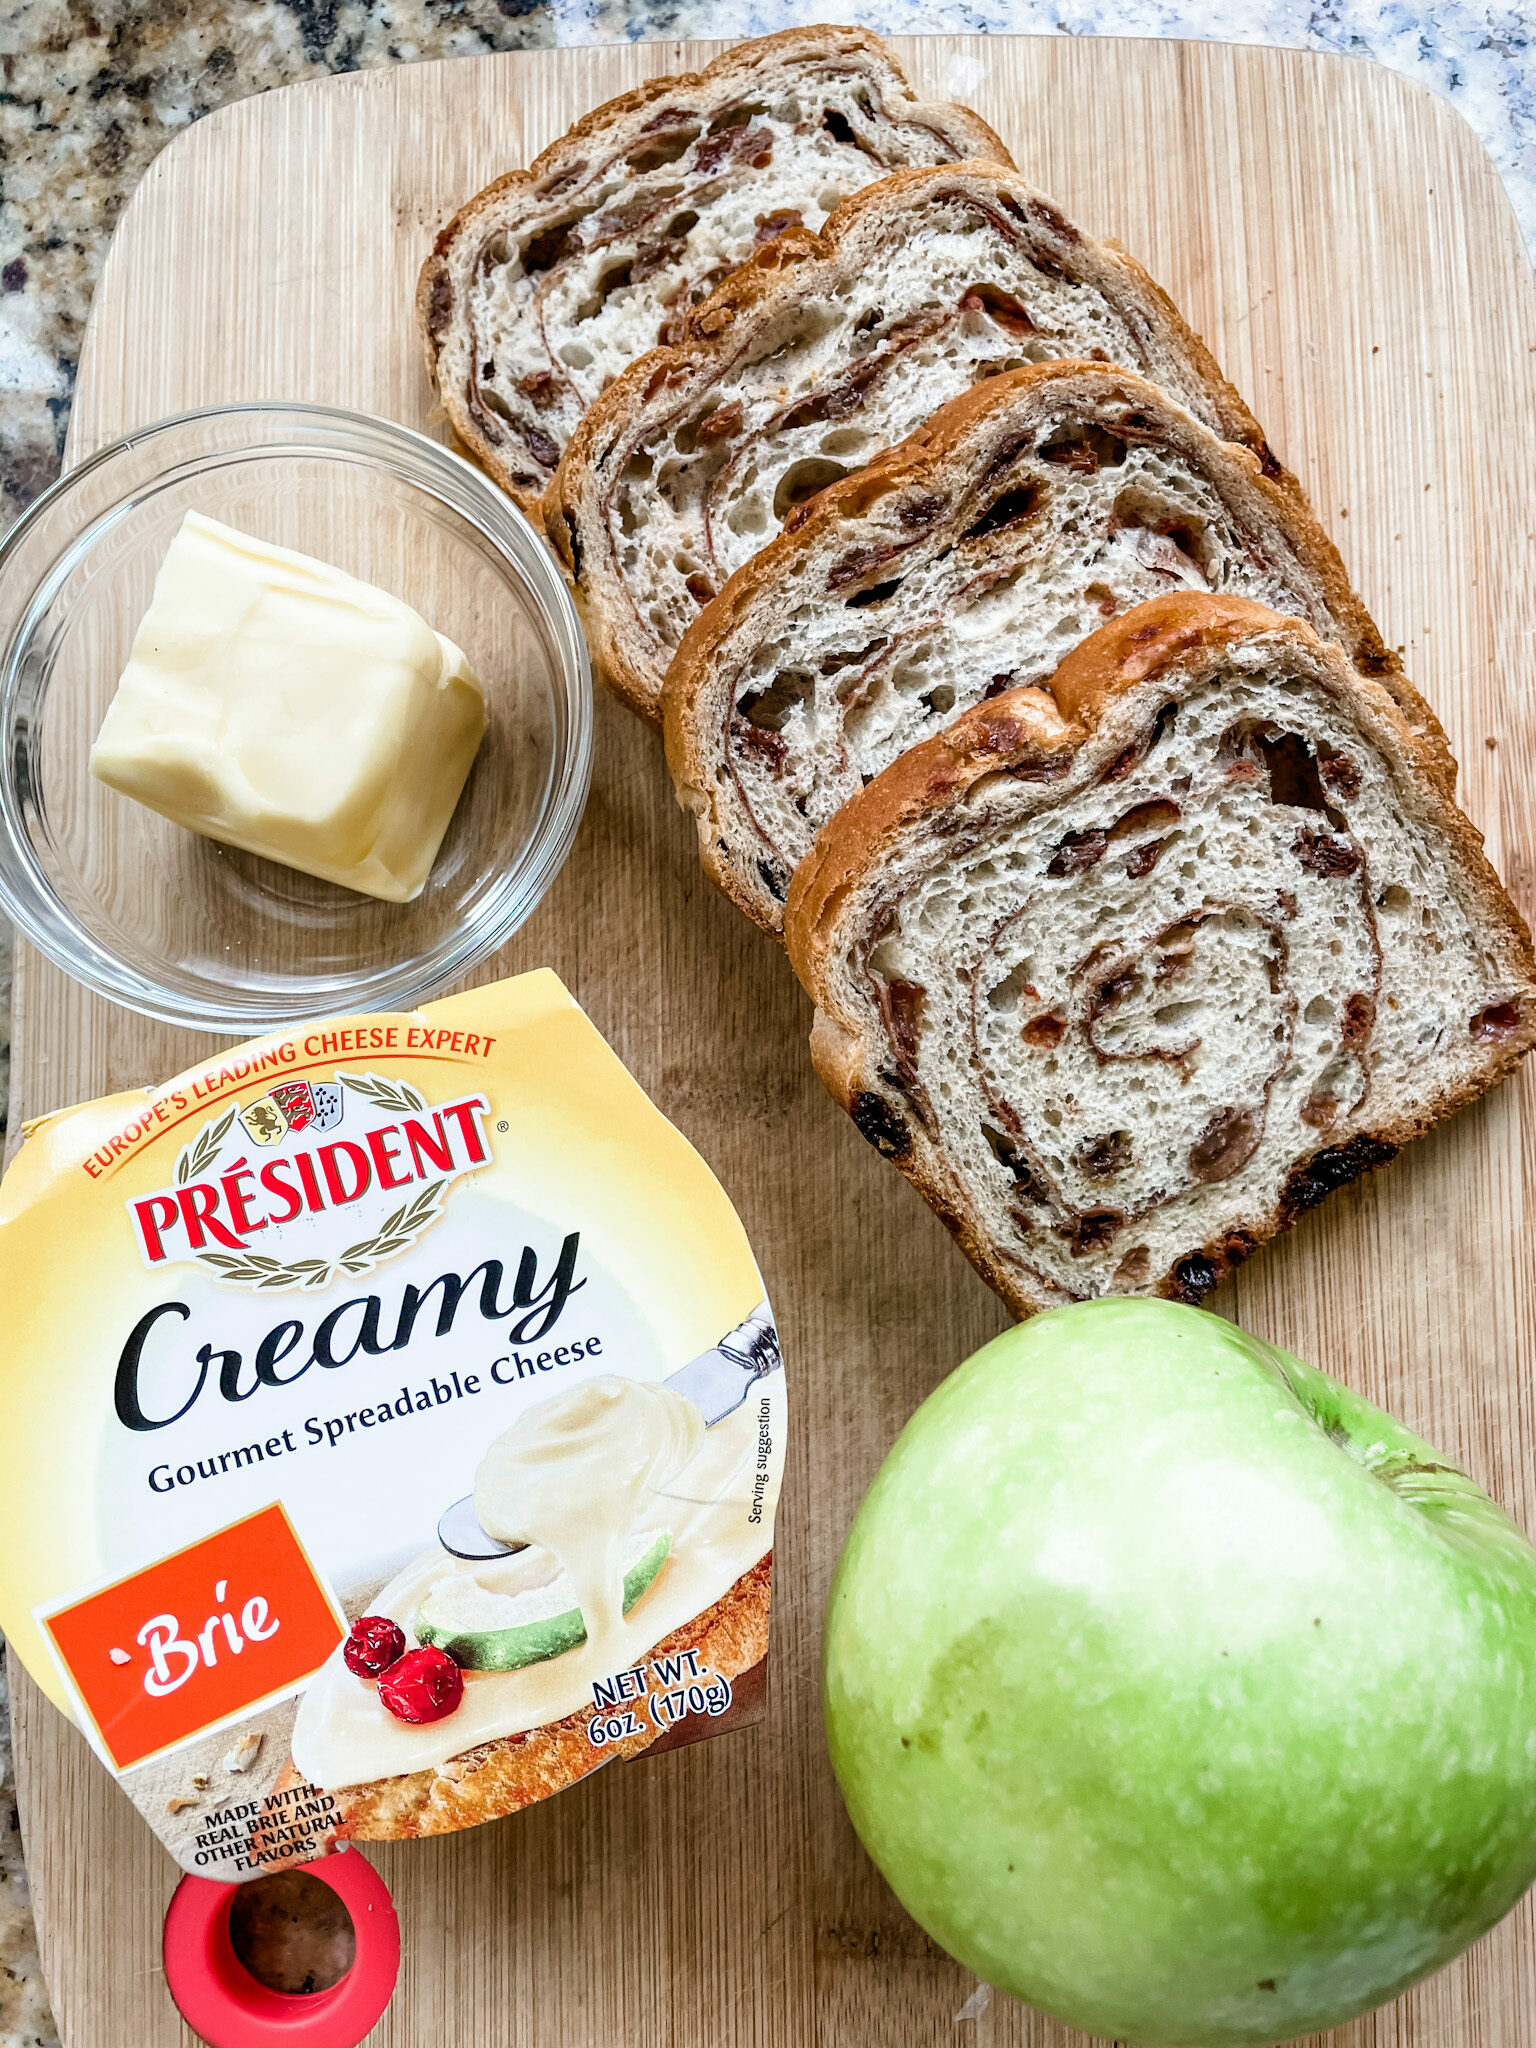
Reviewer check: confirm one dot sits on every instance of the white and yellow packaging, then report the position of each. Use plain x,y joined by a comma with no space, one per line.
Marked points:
284,1330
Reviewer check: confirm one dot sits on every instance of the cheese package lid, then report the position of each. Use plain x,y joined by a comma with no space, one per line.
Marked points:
394,1423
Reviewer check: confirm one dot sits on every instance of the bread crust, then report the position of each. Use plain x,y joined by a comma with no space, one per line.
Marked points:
575,504
502,1777
697,699
1035,726
498,205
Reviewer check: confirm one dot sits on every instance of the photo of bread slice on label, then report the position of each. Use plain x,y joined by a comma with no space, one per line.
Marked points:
546,284
814,358
623,1513
725,1647
1128,971
964,563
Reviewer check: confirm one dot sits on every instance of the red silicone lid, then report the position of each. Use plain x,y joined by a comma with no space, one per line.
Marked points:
220,1999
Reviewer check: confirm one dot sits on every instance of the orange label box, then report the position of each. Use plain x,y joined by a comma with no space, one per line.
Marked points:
204,1634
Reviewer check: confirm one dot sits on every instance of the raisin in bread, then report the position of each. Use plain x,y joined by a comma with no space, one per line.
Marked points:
963,563
1127,972
544,286
815,357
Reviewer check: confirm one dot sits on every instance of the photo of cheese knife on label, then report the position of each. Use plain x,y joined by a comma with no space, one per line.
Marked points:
715,1384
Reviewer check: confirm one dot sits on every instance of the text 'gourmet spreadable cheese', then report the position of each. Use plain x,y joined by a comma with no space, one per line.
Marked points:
274,703
396,1423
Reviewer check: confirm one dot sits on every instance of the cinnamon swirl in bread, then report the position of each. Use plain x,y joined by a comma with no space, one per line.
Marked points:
1128,971
960,564
813,358
545,285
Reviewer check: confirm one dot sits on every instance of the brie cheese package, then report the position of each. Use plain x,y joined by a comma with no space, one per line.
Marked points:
396,1423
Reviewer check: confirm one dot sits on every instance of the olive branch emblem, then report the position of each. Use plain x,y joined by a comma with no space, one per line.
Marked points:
253,1269
399,1096
395,1232
258,1270
199,1156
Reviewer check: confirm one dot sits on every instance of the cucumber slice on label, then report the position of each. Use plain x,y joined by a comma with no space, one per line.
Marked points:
487,1631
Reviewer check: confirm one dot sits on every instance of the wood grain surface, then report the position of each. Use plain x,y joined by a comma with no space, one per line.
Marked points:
1340,238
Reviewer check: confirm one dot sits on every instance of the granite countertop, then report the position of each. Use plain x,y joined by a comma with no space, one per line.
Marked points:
90,89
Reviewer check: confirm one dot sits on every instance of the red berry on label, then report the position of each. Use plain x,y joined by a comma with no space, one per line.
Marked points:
375,1643
424,1685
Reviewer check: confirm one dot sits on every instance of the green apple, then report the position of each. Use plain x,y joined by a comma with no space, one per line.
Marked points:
1180,1691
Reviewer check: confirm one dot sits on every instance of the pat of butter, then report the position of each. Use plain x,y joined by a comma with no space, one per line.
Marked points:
278,705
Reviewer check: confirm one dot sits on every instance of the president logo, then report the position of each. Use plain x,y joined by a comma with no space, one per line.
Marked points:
314,1180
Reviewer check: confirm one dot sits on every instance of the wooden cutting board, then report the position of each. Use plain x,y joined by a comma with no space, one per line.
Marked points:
1345,245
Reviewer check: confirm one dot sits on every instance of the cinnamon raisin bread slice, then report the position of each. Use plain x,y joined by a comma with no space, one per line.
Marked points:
545,285
813,358
960,564
1127,972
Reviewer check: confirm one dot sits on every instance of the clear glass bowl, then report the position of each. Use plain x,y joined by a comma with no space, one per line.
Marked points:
180,927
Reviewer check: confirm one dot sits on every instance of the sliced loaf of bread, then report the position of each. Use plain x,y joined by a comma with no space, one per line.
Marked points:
811,360
1127,972
965,562
546,284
